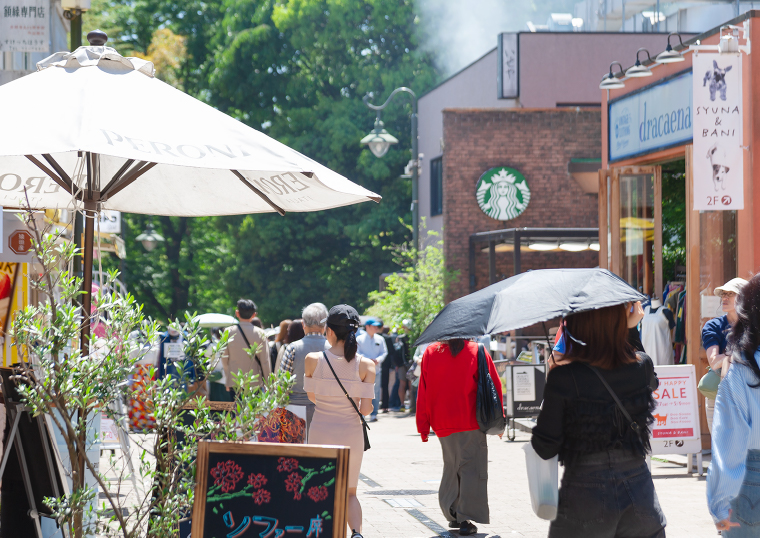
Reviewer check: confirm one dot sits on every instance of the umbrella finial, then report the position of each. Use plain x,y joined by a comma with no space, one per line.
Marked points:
97,38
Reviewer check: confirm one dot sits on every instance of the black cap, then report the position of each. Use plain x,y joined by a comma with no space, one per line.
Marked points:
343,315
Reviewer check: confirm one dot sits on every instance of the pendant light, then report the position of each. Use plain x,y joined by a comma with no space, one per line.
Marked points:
639,70
671,56
609,81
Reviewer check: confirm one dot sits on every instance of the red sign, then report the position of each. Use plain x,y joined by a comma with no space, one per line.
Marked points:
681,432
20,242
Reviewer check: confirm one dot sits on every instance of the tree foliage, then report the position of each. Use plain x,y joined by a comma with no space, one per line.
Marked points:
416,292
297,70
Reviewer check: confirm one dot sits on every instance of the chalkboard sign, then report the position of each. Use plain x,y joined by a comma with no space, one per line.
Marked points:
271,490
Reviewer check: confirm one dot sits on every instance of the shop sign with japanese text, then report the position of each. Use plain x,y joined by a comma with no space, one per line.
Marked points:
718,166
24,26
676,417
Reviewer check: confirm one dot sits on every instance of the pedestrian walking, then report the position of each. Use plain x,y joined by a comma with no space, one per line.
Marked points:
715,335
333,379
733,494
386,368
279,342
446,402
372,346
236,358
295,333
596,415
294,358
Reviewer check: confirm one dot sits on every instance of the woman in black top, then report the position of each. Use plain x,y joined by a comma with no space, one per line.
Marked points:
606,490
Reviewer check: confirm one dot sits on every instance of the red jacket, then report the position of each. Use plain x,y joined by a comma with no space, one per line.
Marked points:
448,389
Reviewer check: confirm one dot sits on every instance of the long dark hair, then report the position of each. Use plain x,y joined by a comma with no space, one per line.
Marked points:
456,345
295,331
599,338
348,336
744,336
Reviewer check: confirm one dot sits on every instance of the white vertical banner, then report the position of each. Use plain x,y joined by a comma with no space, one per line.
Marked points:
24,26
718,166
509,69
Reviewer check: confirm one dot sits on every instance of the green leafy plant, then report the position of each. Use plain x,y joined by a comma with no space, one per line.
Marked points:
416,292
56,379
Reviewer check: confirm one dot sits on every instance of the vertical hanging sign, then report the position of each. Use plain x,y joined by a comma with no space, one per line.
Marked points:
24,25
718,166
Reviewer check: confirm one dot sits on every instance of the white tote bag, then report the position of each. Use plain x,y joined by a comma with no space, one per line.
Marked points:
543,479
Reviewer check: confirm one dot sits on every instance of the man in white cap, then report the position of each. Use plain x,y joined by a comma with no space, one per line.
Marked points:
715,331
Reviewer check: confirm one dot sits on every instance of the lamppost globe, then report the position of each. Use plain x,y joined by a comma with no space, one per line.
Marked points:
149,238
379,140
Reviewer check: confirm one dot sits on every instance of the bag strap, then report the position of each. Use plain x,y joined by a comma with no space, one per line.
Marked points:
247,343
350,399
634,425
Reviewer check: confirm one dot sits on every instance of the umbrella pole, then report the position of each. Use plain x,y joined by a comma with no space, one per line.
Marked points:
87,251
548,342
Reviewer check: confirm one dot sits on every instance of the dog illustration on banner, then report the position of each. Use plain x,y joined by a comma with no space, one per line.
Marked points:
662,420
718,160
717,78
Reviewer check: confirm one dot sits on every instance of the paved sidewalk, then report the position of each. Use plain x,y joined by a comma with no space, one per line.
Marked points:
401,476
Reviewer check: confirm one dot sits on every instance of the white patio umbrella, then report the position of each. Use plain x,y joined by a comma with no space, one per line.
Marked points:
98,130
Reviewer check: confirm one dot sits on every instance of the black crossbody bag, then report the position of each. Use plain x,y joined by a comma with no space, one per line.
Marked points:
635,426
365,426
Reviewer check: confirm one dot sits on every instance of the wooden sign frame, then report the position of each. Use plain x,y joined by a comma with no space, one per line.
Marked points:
339,453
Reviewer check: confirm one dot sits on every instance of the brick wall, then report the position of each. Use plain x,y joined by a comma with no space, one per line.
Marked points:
537,142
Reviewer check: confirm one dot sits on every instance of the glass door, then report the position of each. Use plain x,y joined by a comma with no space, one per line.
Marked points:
635,227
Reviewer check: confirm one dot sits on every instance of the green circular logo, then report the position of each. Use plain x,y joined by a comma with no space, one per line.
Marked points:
502,193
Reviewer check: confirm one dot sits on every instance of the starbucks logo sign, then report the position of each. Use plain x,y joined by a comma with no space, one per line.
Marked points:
502,193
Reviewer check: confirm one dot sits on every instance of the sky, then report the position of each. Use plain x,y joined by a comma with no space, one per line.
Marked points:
459,32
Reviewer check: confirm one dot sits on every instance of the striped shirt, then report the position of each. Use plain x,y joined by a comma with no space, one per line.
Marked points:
736,429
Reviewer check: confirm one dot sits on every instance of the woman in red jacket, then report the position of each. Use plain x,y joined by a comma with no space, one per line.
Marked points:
446,399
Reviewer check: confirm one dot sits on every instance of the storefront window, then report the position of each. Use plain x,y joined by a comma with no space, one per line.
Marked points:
637,231
717,234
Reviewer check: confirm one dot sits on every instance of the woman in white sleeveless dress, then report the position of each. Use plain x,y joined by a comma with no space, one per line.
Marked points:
335,421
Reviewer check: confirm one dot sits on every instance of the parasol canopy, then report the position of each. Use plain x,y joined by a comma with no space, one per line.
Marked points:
527,299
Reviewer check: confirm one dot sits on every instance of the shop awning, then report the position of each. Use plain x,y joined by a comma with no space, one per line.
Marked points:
516,240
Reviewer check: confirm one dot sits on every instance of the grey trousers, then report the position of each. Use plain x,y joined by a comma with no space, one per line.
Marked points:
463,494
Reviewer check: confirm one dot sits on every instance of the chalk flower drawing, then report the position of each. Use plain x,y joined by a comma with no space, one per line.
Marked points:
227,474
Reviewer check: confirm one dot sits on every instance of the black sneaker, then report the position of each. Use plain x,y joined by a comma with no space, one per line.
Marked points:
467,528
454,524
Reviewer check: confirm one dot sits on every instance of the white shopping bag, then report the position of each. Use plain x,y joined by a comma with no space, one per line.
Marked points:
543,478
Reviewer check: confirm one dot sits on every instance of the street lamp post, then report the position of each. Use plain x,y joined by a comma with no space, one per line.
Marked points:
379,141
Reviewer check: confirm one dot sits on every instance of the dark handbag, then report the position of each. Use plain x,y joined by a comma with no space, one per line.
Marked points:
365,427
489,411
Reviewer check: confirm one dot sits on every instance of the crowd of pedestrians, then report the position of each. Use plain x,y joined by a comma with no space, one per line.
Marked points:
596,414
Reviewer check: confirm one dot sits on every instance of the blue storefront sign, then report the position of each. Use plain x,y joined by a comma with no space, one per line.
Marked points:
653,118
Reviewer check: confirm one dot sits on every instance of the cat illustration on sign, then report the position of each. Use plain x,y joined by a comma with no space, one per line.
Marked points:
719,162
717,78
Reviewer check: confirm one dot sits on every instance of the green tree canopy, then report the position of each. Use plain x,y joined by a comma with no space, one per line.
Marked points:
297,70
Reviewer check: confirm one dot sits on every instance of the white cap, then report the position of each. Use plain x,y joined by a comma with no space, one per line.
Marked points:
734,285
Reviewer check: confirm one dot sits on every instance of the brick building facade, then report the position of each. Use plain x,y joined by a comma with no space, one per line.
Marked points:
537,142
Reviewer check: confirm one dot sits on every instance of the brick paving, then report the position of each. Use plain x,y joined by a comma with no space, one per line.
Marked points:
401,468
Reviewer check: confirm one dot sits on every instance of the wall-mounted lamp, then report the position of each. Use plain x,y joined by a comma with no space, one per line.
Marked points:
670,56
609,82
639,70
